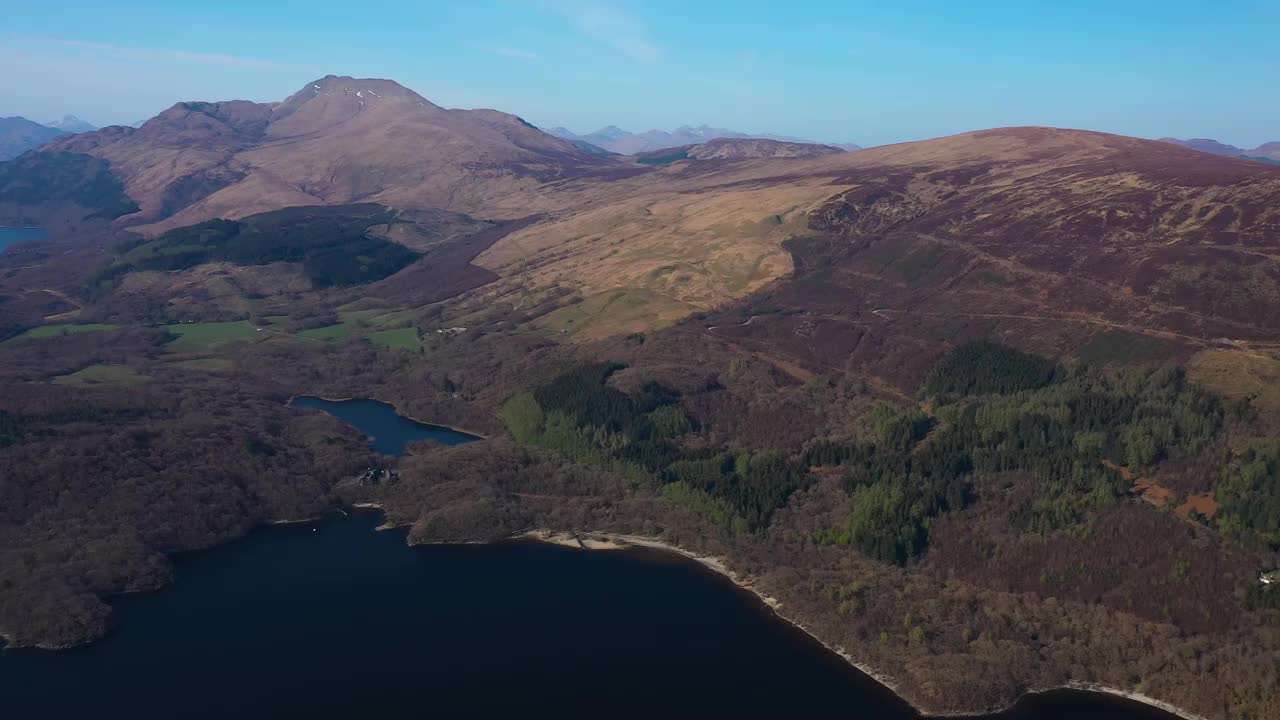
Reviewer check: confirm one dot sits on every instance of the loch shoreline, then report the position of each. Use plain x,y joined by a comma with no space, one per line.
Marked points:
605,541
608,541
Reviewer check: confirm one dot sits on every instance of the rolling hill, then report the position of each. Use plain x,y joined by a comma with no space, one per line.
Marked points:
1269,150
623,142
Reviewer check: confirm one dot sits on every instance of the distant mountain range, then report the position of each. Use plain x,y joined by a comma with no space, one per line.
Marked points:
737,149
1266,152
18,134
615,139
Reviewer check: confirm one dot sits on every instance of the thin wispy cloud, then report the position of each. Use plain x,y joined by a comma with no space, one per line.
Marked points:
507,51
158,54
609,24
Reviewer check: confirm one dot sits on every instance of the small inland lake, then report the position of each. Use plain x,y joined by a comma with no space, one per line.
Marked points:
392,433
11,235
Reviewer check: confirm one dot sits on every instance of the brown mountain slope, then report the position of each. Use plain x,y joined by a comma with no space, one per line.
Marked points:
179,155
1146,229
1057,221
338,140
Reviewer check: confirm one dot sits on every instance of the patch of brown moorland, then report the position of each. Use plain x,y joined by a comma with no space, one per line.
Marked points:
1106,211
986,235
1206,505
1239,374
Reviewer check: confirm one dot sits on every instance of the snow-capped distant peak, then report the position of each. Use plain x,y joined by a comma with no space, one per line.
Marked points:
71,124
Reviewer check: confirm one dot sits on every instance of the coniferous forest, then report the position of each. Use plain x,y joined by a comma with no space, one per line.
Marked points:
998,411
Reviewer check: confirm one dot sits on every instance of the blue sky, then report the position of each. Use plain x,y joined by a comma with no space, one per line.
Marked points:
865,72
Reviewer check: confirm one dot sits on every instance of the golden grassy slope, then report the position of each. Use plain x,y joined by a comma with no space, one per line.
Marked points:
643,262
1239,374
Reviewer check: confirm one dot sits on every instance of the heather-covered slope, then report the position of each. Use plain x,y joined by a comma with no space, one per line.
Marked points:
1034,221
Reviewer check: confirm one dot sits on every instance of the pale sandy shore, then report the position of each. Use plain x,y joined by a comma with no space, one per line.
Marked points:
615,541
9,644
387,524
298,521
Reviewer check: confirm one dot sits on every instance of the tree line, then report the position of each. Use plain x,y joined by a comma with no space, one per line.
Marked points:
1006,411
579,414
1067,430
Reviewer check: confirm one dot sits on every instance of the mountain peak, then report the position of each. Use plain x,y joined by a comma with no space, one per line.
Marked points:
71,124
368,91
336,99
18,135
610,132
337,139
1207,145
704,130
208,125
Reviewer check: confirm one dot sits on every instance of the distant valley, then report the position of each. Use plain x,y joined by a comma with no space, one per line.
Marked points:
615,139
